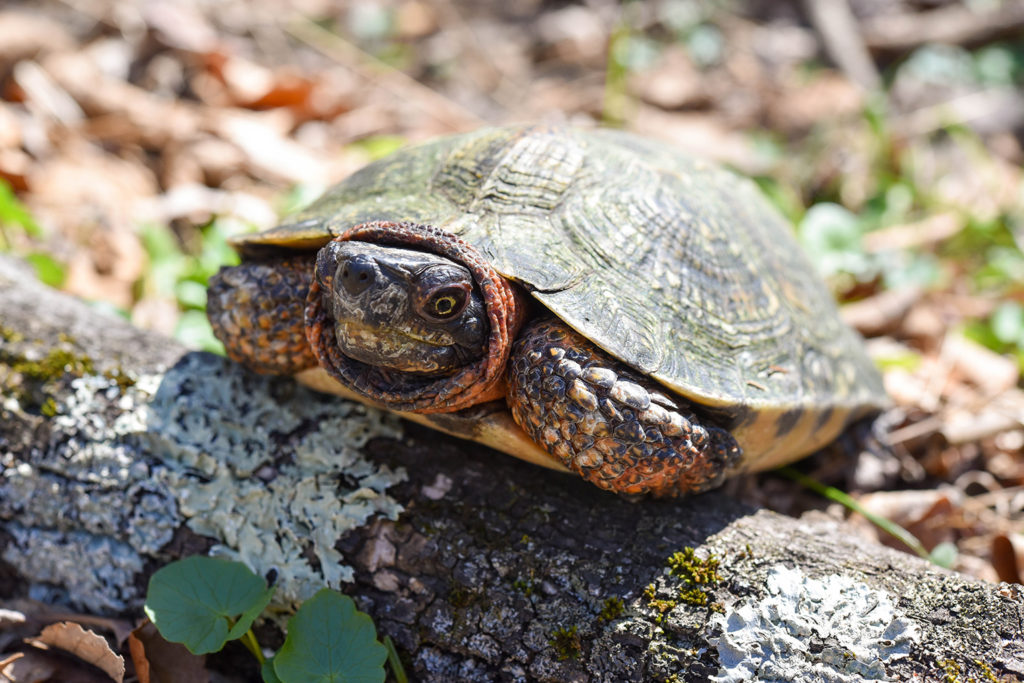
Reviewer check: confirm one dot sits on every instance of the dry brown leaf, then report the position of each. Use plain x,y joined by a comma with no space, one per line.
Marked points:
903,506
991,372
10,127
201,160
153,120
180,25
672,82
904,387
924,324
977,567
46,666
703,135
967,426
931,516
800,105
25,35
244,81
882,313
85,645
28,666
269,152
198,203
574,34
1008,557
14,167
41,93
7,660
90,198
159,661
923,233
21,614
415,19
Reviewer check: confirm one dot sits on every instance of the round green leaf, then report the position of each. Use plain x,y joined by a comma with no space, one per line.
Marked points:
832,235
943,555
203,602
267,671
330,641
1008,323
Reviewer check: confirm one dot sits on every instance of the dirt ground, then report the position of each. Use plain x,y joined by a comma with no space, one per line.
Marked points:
136,136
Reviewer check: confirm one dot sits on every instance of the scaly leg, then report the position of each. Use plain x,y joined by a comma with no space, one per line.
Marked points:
606,422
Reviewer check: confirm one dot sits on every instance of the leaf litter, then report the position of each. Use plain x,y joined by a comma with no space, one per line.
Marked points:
195,120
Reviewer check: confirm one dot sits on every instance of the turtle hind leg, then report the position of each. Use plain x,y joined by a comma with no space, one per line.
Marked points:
256,310
607,423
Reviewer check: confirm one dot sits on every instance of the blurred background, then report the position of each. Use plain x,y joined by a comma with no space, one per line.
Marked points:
136,136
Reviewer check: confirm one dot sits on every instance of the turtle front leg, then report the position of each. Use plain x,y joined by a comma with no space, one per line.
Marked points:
256,309
607,423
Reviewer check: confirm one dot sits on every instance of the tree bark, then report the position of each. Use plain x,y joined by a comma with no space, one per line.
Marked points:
120,451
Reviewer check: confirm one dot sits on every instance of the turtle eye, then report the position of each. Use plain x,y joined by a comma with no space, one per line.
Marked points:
446,302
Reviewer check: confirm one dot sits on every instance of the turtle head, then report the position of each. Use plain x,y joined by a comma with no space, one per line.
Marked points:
411,317
401,309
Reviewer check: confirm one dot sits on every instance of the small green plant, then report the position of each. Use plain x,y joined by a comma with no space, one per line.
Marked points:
696,574
566,642
182,272
203,602
942,555
1003,331
524,586
14,216
612,608
19,230
686,565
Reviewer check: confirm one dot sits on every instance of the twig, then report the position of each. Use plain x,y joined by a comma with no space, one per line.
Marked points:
954,24
841,38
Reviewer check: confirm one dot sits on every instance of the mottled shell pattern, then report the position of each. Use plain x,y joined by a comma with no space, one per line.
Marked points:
671,264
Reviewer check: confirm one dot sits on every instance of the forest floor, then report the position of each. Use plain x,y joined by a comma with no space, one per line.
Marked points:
136,137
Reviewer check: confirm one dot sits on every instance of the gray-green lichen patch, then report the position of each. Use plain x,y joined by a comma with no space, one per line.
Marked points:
271,471
831,629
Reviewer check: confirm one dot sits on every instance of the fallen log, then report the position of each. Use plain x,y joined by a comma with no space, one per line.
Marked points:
121,450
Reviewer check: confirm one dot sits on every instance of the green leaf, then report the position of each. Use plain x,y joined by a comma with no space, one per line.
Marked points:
1008,323
203,602
48,270
191,294
395,662
379,146
330,641
832,236
13,212
267,671
943,555
194,331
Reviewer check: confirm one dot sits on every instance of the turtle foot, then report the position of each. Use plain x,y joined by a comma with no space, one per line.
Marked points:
606,422
256,310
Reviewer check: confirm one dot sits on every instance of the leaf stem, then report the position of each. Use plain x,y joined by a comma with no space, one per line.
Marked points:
832,493
249,640
394,662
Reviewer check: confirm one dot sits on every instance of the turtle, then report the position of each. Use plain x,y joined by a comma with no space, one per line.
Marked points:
586,299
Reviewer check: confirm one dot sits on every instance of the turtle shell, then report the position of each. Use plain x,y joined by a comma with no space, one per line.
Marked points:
671,264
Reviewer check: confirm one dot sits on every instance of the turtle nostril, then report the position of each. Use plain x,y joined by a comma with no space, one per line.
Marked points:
357,274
